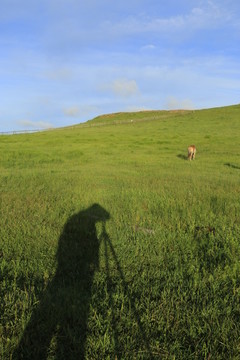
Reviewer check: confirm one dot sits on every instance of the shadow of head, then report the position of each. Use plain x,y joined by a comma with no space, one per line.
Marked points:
79,239
85,220
97,213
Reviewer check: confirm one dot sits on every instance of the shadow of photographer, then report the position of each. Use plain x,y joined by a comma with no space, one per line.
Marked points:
58,325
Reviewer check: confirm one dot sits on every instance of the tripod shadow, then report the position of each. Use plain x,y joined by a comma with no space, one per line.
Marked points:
58,326
143,338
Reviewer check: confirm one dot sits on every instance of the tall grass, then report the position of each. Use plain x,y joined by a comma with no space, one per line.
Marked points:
114,246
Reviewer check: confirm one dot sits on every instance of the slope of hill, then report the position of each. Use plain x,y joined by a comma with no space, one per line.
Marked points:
125,117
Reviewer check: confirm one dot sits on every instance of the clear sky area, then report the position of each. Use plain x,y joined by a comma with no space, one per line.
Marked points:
63,62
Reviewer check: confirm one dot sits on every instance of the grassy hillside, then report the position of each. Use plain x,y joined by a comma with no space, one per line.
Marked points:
114,246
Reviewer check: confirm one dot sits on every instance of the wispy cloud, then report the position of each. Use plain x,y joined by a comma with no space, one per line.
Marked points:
122,87
80,111
173,103
149,47
73,111
211,14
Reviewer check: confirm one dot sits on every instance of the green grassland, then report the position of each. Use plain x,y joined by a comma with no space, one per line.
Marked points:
114,246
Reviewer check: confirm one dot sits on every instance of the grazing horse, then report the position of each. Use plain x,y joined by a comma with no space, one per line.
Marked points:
191,152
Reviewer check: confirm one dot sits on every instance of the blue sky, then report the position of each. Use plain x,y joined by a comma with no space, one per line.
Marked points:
65,61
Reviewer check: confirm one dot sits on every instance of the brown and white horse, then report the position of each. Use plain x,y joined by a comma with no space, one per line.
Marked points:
191,152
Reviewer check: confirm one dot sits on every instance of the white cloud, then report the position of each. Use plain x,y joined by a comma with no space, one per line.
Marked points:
173,103
72,111
122,87
149,47
82,111
35,124
87,110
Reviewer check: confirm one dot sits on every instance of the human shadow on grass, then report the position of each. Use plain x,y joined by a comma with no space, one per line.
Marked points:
58,326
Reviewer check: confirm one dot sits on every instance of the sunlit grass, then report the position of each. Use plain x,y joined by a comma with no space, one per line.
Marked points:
162,271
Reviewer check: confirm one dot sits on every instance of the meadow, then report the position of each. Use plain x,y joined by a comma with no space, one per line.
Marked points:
114,246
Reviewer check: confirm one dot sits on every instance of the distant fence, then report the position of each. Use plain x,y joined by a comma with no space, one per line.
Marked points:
89,124
22,131
81,125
